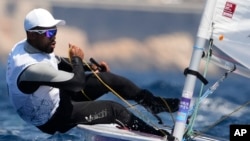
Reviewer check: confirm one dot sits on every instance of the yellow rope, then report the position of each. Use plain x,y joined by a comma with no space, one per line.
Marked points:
114,92
106,85
166,104
85,95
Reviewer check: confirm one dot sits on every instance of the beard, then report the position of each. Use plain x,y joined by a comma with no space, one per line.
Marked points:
49,48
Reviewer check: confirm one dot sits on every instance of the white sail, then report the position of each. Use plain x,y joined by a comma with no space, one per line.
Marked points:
224,21
227,23
230,32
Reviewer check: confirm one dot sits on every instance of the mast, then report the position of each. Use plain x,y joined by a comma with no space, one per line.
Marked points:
187,93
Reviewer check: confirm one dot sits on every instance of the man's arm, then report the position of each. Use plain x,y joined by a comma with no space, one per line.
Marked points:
65,65
44,74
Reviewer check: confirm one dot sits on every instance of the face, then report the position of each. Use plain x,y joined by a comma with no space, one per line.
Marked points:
43,39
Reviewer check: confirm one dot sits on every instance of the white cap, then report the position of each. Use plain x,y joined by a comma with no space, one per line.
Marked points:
42,18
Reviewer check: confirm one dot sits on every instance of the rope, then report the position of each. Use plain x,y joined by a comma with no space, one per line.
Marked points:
86,95
115,93
106,85
166,104
124,100
194,111
210,91
189,129
220,120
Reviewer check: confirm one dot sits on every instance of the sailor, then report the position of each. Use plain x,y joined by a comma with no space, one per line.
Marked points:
55,93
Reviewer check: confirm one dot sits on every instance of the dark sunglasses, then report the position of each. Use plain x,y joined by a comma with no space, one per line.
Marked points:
48,32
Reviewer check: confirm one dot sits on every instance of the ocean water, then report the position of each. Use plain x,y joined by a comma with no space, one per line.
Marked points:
232,93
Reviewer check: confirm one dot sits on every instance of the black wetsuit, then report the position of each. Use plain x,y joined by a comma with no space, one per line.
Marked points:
77,93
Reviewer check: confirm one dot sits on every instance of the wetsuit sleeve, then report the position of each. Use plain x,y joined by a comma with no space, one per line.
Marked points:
64,64
44,74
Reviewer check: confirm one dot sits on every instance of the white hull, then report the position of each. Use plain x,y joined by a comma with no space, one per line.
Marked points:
109,132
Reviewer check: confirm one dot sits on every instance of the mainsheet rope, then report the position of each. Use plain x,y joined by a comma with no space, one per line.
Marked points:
116,94
124,100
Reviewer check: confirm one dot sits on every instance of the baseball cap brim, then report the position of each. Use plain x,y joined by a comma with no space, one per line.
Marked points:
42,18
52,23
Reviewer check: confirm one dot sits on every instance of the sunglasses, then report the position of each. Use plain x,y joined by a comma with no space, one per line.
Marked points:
48,32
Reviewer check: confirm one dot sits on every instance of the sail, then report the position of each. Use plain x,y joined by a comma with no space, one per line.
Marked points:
227,24
230,31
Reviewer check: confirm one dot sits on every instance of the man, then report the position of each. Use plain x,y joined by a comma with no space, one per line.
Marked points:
54,94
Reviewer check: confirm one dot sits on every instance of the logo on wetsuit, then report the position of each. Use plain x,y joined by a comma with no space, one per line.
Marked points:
95,116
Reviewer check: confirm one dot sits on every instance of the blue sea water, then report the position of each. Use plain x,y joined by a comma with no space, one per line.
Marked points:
231,94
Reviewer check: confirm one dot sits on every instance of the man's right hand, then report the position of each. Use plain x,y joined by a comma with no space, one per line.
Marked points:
75,51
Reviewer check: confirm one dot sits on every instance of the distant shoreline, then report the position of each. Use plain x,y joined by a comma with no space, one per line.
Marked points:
135,39
173,6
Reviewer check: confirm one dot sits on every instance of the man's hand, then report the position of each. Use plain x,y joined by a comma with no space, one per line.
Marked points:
75,51
102,66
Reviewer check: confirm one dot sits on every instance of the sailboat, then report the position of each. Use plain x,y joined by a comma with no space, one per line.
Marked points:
224,37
